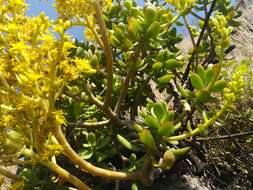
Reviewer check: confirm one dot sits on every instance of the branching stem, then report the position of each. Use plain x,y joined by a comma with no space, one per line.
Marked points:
199,128
107,51
86,166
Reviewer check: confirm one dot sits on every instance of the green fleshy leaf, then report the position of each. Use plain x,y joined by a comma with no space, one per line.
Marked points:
209,74
134,186
147,139
168,116
172,64
159,110
165,79
151,122
203,95
153,30
150,13
91,139
218,86
201,72
86,153
184,92
126,143
166,128
168,160
196,81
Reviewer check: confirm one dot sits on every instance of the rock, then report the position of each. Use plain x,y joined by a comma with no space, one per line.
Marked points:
180,182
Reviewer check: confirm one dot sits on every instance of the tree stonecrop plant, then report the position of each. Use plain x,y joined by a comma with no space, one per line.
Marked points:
97,102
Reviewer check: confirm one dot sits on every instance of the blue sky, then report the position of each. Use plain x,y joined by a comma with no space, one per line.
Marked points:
38,6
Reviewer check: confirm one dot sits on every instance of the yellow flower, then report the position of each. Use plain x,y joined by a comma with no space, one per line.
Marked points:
67,46
8,120
69,9
34,62
50,150
89,34
18,47
10,6
59,117
83,66
69,70
220,32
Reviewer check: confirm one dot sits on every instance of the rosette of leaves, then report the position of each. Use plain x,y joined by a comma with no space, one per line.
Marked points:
205,82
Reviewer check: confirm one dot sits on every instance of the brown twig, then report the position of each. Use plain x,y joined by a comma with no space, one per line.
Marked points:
125,83
190,32
196,15
201,35
235,135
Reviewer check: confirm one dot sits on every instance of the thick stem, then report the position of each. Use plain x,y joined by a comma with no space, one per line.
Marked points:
66,175
52,77
86,166
57,169
107,51
124,86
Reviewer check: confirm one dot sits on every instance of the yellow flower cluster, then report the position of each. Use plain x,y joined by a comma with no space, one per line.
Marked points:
10,6
59,117
34,65
50,150
70,9
220,32
235,88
